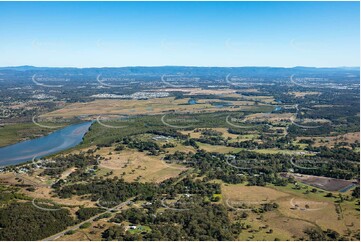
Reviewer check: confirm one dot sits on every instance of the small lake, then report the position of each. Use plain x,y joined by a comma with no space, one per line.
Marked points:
57,141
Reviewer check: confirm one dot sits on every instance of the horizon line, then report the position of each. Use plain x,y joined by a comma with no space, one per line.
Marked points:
200,66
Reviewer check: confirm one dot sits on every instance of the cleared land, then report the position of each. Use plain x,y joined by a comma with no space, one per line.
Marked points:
42,188
304,94
133,165
330,141
297,211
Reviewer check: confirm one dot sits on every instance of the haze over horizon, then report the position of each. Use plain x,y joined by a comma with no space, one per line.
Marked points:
205,34
88,67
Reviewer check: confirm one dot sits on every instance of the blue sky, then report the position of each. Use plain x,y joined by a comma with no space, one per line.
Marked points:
96,34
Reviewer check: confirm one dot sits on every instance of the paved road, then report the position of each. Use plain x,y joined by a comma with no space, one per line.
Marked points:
75,227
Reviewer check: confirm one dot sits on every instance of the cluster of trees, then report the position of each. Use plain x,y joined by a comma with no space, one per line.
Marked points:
22,221
189,185
86,213
209,222
267,140
150,146
258,168
115,189
327,235
338,153
61,163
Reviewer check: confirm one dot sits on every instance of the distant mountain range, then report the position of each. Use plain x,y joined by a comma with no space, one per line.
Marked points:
187,70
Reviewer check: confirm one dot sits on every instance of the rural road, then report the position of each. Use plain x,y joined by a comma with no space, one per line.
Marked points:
62,233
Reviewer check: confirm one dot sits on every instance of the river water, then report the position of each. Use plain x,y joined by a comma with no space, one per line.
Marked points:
57,141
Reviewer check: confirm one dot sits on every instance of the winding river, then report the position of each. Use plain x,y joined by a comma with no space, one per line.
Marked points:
57,141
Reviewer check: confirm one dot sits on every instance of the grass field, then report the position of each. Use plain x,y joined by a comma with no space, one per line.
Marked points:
110,107
330,141
218,148
224,149
296,212
136,166
42,188
304,94
94,232
225,134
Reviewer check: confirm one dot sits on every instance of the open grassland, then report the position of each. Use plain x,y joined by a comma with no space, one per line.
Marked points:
328,212
42,187
218,148
225,134
269,117
282,228
111,107
296,212
304,94
225,149
91,233
330,141
136,166
250,193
